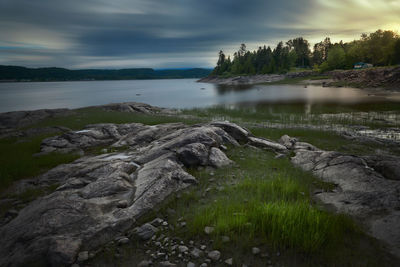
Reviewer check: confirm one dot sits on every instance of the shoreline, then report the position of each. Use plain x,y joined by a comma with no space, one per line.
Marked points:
381,78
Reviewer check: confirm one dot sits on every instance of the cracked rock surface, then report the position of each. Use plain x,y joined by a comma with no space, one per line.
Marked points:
368,188
100,197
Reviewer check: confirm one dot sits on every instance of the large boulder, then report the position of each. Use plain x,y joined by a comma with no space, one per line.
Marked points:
363,190
100,197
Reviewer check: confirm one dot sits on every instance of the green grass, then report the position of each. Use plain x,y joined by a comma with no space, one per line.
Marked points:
93,115
18,160
271,202
267,202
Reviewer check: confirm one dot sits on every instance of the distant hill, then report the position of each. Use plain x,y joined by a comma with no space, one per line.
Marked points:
15,73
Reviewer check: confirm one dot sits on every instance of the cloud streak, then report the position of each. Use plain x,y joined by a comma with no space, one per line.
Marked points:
172,33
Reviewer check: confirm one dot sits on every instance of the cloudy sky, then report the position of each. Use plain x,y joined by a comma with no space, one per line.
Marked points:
173,33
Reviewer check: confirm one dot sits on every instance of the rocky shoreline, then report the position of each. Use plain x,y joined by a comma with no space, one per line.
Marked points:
99,198
387,78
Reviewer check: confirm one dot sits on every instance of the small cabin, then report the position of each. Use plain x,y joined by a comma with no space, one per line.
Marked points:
362,65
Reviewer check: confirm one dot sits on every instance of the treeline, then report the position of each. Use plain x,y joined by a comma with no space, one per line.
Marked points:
15,73
381,48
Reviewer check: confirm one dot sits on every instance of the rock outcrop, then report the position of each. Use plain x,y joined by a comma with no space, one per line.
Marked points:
368,188
375,77
11,121
137,107
100,197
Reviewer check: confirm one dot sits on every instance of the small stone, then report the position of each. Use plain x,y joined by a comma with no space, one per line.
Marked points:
183,249
279,156
144,263
207,260
190,264
214,255
157,222
166,264
164,223
123,241
122,204
225,239
183,224
203,264
208,230
12,213
203,247
229,261
196,253
255,250
83,256
160,254
191,242
146,231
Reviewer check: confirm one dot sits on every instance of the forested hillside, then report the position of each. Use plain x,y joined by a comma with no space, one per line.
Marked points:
381,48
59,74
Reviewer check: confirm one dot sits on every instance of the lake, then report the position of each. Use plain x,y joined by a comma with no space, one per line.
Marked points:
179,93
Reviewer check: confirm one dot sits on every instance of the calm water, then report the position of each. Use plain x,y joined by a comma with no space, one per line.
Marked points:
182,93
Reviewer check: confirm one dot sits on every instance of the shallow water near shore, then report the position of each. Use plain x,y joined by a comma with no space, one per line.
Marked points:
178,93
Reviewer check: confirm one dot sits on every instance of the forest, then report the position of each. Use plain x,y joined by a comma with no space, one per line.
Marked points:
16,73
380,48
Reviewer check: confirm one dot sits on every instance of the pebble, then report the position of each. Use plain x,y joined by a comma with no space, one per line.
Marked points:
183,224
196,253
83,256
146,231
214,255
225,239
166,264
144,263
122,204
190,264
255,250
157,222
123,241
229,261
203,247
203,264
208,230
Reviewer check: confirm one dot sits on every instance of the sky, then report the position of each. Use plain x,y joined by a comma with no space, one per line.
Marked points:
173,33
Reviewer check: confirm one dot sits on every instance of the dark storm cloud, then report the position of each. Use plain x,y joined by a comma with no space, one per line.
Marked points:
158,33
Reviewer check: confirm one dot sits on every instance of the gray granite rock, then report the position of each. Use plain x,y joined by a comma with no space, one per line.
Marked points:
362,191
100,197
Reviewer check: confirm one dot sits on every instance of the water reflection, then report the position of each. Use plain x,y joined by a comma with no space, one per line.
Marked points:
183,93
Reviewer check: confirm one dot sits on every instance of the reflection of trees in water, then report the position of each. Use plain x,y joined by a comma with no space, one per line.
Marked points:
224,88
